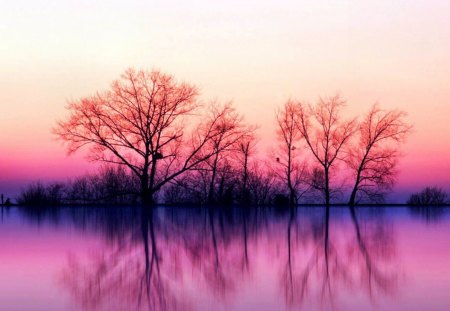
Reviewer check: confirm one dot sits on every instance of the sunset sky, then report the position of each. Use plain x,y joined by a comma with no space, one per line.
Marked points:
255,53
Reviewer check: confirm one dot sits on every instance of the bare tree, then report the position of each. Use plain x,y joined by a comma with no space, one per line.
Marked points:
229,129
325,133
289,135
245,149
373,160
428,196
262,183
139,123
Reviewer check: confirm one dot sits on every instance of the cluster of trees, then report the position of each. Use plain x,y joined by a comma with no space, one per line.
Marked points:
429,196
434,197
180,151
367,150
108,186
145,123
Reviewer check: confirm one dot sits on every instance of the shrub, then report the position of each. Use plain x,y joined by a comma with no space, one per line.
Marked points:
38,194
428,196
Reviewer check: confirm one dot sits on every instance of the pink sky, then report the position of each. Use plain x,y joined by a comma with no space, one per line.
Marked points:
256,54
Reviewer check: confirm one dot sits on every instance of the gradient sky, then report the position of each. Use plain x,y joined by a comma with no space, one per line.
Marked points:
256,53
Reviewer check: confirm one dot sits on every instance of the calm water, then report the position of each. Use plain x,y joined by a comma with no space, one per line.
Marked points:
231,259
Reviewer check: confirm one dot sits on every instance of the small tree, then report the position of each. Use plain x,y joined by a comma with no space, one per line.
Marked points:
428,196
245,149
373,158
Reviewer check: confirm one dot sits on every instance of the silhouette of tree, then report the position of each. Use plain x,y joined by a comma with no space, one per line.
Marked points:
110,185
374,158
289,136
229,130
325,133
262,183
39,194
245,149
139,123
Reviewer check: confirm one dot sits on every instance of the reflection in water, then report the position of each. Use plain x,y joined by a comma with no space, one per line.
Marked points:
428,213
132,272
324,263
162,259
376,249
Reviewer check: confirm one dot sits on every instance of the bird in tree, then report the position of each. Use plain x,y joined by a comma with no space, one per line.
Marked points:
140,123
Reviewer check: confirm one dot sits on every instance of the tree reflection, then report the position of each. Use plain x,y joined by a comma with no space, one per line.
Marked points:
153,268
327,266
171,259
129,273
429,213
377,250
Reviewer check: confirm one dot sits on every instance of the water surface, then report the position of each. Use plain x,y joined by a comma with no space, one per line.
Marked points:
224,259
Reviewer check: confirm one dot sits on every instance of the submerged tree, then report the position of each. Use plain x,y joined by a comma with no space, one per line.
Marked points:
373,160
140,123
326,135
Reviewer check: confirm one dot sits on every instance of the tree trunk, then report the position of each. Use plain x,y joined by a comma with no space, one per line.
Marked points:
151,182
292,195
327,188
213,181
351,202
146,193
147,198
245,194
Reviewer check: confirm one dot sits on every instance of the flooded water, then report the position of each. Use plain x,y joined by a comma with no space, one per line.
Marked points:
224,259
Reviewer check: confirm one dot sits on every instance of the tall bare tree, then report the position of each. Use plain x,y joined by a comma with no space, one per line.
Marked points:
325,134
374,158
140,123
289,136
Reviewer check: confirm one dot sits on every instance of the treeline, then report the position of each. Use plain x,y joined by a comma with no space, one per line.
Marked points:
109,186
114,186
166,147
